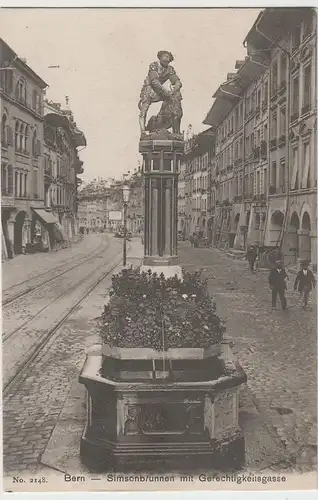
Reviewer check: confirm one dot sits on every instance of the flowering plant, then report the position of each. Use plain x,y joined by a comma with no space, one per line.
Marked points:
147,310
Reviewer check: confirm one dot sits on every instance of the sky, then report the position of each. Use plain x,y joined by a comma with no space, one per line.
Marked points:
103,57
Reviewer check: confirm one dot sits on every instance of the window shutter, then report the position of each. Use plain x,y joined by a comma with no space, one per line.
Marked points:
38,147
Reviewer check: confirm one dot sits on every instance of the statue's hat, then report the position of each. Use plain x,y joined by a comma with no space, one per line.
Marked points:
161,52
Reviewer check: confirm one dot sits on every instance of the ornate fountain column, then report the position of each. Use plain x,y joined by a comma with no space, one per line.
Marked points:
161,164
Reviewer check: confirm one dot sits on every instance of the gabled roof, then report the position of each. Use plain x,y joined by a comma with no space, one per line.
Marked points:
6,52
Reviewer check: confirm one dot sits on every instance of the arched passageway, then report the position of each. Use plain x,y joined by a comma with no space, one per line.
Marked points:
276,225
304,238
293,237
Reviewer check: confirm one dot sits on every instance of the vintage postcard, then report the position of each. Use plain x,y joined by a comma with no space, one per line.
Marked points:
159,248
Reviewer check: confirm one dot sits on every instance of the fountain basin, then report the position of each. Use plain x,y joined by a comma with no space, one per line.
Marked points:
146,412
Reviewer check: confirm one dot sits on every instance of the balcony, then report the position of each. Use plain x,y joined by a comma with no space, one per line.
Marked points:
305,109
282,141
257,110
264,104
273,143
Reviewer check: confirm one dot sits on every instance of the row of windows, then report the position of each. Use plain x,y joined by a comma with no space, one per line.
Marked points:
61,167
199,163
19,90
260,97
15,182
21,137
61,196
234,151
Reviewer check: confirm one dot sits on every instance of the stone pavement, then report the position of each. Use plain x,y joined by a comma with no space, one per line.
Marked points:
32,410
23,267
277,349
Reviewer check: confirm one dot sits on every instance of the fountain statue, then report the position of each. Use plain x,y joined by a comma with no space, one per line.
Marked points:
153,90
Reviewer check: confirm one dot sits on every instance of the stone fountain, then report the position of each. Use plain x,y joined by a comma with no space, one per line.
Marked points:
176,409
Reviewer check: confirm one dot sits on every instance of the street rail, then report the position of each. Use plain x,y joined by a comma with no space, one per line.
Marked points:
30,288
35,352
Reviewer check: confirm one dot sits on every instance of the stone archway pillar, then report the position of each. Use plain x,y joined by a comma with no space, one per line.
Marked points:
304,244
313,245
26,231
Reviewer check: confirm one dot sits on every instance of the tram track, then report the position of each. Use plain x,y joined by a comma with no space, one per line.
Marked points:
30,288
36,349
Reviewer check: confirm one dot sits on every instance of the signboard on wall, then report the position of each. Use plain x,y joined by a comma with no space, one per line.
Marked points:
115,215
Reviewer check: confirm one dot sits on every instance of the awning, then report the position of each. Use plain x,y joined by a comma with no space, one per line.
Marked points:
46,217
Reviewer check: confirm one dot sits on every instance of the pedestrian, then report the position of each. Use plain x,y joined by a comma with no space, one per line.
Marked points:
305,282
191,239
278,283
251,256
195,240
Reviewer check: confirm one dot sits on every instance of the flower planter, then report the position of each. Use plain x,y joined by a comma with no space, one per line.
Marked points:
149,411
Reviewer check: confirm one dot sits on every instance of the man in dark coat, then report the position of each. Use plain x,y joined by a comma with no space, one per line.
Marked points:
277,281
304,282
251,256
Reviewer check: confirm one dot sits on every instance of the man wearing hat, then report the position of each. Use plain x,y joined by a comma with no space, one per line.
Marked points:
251,257
305,282
277,281
153,90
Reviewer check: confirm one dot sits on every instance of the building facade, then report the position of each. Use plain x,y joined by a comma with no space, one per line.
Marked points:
194,198
22,172
264,180
92,212
135,208
62,138
39,162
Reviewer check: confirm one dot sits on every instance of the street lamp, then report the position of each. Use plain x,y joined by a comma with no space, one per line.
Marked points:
126,192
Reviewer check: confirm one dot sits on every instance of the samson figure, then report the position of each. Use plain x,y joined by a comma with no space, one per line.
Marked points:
153,91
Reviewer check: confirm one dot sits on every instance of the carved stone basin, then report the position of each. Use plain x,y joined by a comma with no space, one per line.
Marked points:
149,412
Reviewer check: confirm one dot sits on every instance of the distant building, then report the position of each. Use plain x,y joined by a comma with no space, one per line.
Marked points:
22,172
92,212
194,198
101,204
135,209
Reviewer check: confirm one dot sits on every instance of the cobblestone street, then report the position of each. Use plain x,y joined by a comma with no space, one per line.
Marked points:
277,349
32,406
